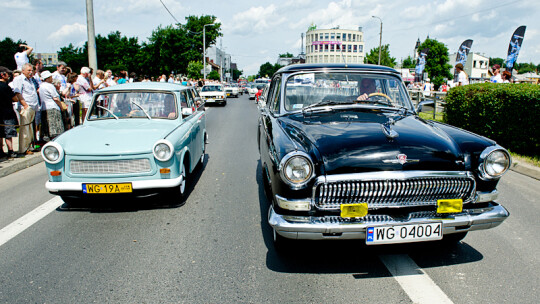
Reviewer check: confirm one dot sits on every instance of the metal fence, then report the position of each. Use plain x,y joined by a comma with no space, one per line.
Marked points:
438,98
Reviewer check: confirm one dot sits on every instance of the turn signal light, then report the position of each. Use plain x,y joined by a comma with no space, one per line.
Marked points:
164,170
56,173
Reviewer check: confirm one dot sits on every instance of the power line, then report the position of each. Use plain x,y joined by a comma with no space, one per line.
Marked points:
169,11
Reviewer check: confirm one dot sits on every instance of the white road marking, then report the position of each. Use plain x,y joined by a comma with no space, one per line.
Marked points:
29,219
414,281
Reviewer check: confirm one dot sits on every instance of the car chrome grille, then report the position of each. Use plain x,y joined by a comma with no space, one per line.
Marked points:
393,192
141,165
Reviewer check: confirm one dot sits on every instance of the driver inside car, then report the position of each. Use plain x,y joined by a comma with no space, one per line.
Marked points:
367,86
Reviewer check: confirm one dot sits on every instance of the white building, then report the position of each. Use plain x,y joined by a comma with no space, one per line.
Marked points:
219,60
477,66
334,45
48,59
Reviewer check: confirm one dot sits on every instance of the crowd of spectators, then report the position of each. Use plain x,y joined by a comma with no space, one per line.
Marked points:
37,105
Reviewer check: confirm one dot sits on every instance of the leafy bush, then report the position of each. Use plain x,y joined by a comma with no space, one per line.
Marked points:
506,113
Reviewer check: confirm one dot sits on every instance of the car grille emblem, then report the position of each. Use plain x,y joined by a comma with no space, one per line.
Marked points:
400,159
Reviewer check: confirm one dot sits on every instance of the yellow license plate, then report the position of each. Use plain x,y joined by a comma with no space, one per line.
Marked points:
107,188
354,210
449,205
228,94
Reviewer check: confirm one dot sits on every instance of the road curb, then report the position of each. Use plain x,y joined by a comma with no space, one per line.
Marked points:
12,166
526,169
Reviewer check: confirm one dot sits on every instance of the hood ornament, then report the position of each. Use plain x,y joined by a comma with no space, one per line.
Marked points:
387,129
400,159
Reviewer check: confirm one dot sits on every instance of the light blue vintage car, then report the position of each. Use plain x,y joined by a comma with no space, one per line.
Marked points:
137,139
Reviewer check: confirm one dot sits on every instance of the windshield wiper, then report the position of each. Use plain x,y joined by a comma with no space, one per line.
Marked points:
325,103
107,111
145,113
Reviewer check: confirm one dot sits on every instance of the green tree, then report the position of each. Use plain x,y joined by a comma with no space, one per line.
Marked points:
236,74
408,63
496,60
8,48
386,60
74,57
437,65
214,75
286,55
268,70
117,52
194,69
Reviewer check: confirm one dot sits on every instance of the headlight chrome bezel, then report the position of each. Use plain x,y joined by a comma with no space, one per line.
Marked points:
286,160
52,145
484,162
168,144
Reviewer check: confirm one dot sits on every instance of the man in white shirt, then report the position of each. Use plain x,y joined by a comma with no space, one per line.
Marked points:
85,90
60,74
27,94
21,57
463,79
496,78
428,87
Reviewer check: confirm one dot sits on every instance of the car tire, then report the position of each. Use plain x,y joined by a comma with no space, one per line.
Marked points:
224,103
201,160
454,238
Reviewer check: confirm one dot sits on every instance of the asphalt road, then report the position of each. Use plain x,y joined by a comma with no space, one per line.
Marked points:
217,247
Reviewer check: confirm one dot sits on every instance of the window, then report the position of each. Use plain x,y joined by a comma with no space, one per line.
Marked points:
332,36
354,37
326,36
338,37
344,37
349,37
332,48
349,48
321,37
355,49
360,48
326,47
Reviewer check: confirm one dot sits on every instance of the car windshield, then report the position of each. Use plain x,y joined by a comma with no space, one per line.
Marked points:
314,89
123,105
212,88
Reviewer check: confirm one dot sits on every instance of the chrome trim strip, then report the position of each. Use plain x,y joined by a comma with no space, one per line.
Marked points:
312,227
136,185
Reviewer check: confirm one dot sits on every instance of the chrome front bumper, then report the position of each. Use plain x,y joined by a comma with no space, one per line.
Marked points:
334,227
55,187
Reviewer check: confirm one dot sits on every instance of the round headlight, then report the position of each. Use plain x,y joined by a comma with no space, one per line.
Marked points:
52,153
163,150
296,169
497,163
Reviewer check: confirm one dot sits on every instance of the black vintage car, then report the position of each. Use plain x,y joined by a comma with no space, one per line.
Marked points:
344,155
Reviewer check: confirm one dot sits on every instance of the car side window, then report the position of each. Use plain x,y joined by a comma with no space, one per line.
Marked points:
276,95
189,98
183,99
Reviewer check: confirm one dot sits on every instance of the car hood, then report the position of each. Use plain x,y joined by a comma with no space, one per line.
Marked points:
113,137
351,142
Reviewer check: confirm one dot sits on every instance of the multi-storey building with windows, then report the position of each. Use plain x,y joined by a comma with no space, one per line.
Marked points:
334,45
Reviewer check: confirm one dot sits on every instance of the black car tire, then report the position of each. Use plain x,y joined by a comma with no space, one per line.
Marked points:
455,238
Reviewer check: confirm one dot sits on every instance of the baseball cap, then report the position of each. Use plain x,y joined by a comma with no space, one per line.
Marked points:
3,69
45,75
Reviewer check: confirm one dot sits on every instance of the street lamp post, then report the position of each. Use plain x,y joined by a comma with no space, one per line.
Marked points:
380,39
204,49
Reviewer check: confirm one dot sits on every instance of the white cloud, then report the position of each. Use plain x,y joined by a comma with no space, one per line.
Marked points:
16,4
69,33
255,20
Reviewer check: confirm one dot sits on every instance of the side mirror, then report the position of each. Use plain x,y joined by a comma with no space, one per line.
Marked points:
187,112
422,104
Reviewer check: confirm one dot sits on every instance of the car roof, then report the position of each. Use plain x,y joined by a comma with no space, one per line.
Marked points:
158,86
335,66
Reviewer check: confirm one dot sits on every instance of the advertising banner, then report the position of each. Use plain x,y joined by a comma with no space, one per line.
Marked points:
462,54
513,48
420,65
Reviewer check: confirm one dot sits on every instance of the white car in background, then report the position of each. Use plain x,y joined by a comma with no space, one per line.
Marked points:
253,89
214,93
232,90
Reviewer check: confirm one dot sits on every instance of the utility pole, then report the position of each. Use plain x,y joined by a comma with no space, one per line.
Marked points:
380,39
92,54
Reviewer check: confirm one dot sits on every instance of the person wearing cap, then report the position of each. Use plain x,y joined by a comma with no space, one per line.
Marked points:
496,78
51,116
463,78
85,90
8,118
428,87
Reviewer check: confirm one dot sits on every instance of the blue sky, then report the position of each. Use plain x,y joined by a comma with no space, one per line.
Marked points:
257,31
